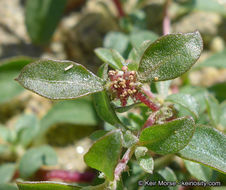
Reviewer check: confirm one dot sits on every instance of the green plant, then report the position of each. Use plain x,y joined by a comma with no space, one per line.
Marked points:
163,124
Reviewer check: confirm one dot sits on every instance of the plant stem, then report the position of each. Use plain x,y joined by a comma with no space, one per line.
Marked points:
68,176
147,91
150,121
163,161
121,166
140,96
120,10
166,18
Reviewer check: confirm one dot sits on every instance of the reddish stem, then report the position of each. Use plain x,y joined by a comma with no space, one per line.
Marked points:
166,18
146,101
118,5
150,121
67,176
174,89
121,166
146,90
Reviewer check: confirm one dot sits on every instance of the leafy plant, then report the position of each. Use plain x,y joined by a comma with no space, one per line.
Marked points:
16,142
166,124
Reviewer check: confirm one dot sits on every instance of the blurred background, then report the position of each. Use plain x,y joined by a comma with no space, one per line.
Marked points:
71,29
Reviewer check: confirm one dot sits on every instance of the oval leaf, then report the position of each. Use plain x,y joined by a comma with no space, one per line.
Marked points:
104,108
27,127
34,158
198,93
186,101
217,60
199,171
102,102
111,57
169,137
138,37
135,56
117,41
207,147
105,153
170,56
5,186
59,79
7,172
169,175
78,112
9,69
146,163
213,109
223,115
218,90
42,17
45,185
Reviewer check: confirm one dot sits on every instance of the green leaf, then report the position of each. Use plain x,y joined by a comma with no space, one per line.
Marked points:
207,147
155,178
145,161
109,147
5,133
97,187
42,185
111,57
129,139
138,37
7,172
170,56
133,121
210,6
3,148
199,171
97,134
27,127
126,108
117,41
168,175
9,69
163,87
8,187
219,91
102,104
169,137
223,114
104,108
213,109
140,151
217,60
103,71
79,112
198,93
59,79
34,158
42,18
135,56
186,101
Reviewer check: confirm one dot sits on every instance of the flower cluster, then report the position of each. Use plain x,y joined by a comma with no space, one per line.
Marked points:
123,84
